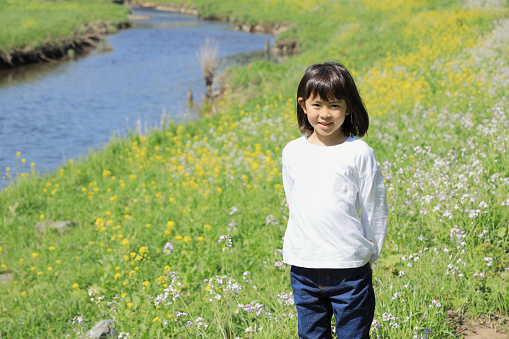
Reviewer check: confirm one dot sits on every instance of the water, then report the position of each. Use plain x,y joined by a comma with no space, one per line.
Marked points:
54,112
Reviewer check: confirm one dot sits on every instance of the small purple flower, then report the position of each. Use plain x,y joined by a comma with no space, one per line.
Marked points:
168,248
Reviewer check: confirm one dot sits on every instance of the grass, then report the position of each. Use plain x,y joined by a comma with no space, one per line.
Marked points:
33,24
155,213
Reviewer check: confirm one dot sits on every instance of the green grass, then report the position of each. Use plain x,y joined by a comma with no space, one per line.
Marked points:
32,24
435,90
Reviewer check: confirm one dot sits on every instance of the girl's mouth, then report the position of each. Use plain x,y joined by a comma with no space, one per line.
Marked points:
325,124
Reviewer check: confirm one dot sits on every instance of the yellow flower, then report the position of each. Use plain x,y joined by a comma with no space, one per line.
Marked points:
75,286
130,304
146,283
125,242
51,248
50,268
170,224
156,319
200,238
24,293
58,261
35,255
207,227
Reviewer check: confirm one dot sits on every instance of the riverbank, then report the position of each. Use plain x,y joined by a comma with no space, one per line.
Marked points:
81,38
178,232
65,48
35,31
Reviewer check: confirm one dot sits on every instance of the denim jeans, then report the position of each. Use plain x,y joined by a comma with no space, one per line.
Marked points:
346,293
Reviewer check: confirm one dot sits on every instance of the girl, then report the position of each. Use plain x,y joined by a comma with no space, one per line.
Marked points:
338,208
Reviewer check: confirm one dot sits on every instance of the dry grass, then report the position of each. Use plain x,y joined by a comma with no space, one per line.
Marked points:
208,62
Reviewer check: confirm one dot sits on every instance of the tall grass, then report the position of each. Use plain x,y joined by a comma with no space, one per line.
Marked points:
179,232
207,56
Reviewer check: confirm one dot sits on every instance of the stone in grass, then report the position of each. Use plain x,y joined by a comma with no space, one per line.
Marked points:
6,278
104,329
56,225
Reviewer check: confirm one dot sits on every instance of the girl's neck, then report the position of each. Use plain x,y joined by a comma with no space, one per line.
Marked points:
320,140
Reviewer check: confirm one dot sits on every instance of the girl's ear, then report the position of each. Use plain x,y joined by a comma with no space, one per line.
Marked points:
302,104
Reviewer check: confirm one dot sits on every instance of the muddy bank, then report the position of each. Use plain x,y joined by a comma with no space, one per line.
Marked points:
281,48
57,50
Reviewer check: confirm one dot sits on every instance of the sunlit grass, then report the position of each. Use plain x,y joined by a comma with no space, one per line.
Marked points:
31,24
178,232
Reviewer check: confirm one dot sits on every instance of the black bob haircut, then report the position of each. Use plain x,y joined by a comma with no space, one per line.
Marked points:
332,81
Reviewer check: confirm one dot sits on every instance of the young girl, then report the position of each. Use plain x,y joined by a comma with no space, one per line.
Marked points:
338,208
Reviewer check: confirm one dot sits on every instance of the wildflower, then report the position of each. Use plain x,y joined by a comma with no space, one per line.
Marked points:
168,247
270,220
228,240
279,264
156,319
246,275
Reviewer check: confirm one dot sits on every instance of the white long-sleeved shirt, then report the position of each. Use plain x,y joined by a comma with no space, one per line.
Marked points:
337,201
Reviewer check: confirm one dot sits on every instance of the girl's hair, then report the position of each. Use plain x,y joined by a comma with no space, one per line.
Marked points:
332,81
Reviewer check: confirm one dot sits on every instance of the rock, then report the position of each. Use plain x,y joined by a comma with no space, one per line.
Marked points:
57,225
102,330
6,278
452,314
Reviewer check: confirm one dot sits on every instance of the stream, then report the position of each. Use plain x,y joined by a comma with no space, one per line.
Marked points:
53,112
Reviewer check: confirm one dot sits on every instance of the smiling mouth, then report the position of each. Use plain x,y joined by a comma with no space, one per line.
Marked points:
325,124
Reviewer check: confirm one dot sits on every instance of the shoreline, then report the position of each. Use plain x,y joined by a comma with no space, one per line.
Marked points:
54,52
80,45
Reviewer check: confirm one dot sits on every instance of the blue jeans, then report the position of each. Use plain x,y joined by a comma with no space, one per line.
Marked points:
346,293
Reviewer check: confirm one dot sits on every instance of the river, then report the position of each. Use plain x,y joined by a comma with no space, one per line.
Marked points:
53,112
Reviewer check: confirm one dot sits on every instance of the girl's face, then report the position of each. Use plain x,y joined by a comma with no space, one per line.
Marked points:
326,117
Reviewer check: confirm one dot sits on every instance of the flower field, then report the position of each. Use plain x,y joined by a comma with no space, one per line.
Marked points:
178,233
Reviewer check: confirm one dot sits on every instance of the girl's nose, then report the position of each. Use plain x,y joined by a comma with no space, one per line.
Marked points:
325,112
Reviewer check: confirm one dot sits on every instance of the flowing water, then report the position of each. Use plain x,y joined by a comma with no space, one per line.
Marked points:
57,111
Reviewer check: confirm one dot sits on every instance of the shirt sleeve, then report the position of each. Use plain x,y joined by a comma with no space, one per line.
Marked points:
374,210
